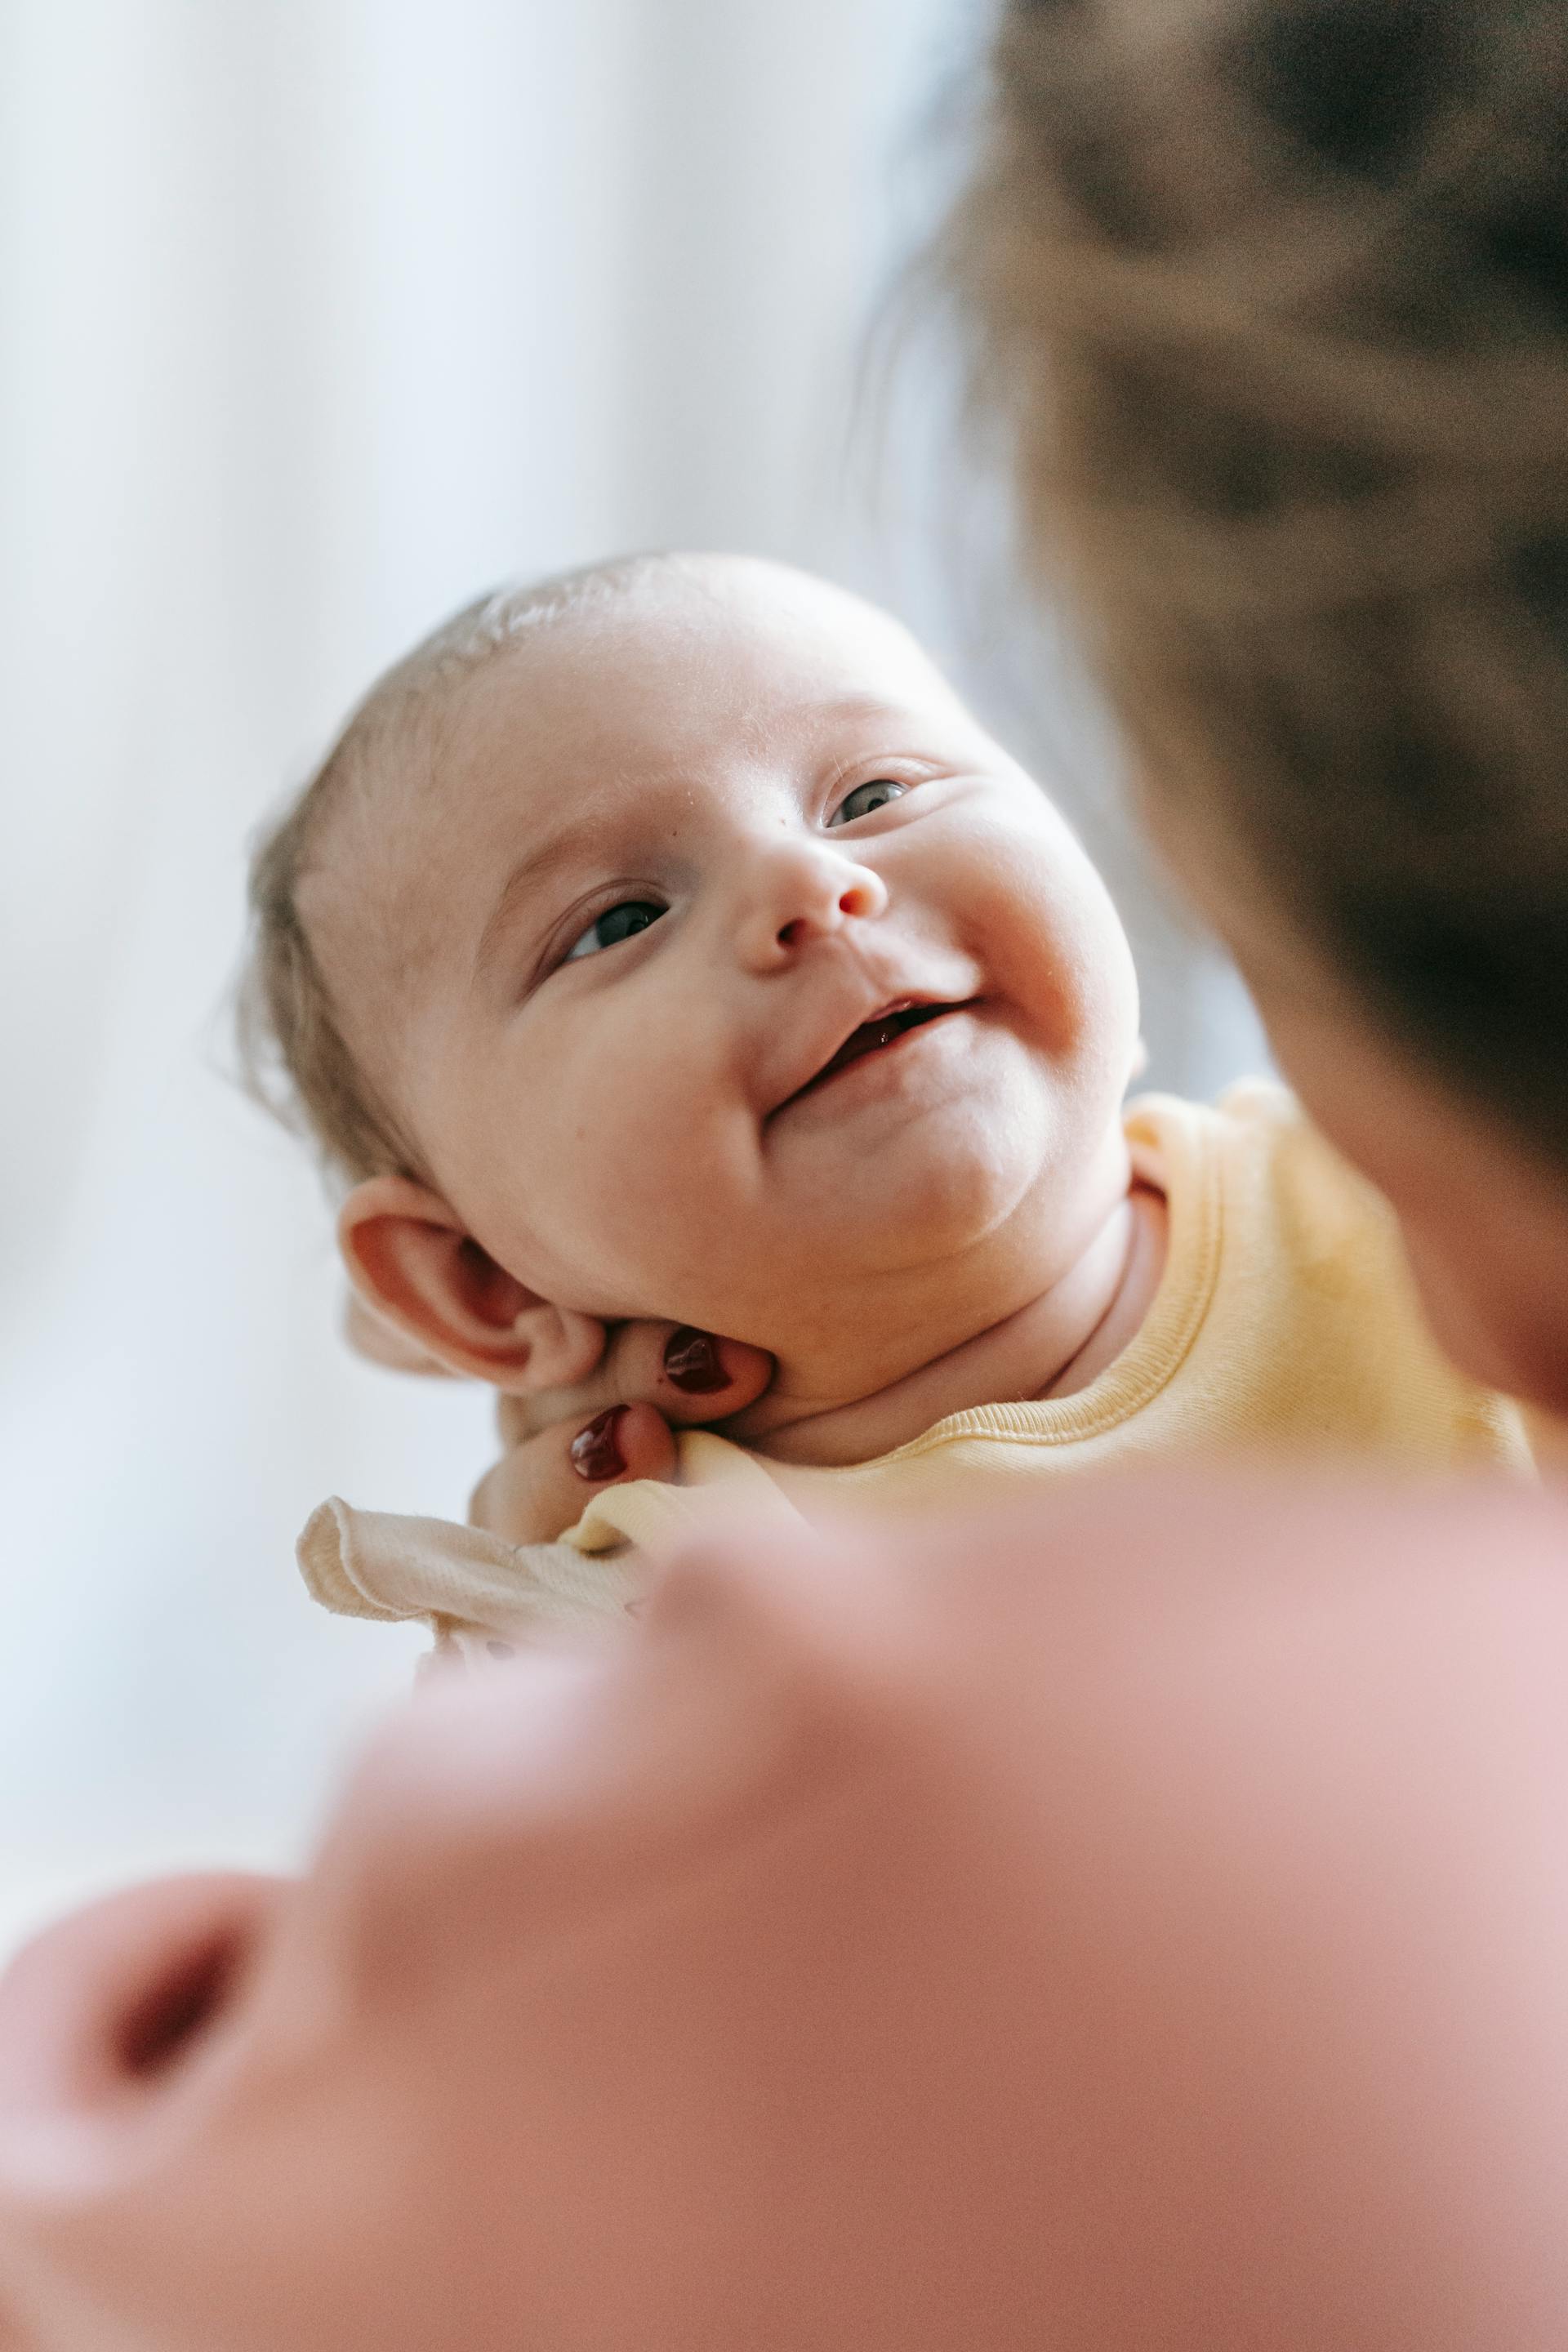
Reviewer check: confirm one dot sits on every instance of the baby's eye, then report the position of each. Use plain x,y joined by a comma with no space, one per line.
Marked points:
616,924
865,799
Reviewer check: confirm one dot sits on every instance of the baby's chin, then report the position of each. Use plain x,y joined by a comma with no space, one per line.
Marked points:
873,1206
820,1280
935,1181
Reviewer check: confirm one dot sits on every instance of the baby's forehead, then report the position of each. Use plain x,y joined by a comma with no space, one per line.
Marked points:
678,678
685,661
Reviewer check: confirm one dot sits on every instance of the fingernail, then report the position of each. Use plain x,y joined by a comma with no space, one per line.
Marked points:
693,1362
595,1454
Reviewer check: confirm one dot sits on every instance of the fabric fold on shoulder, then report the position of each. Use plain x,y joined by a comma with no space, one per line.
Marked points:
394,1568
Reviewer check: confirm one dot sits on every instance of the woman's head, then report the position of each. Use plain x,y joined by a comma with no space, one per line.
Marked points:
894,1947
1277,295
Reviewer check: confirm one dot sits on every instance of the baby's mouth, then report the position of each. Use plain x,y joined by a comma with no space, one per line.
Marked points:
874,1035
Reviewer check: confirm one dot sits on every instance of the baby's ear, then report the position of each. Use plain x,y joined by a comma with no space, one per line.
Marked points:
410,1254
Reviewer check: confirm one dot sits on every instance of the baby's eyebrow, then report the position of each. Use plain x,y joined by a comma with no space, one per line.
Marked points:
536,866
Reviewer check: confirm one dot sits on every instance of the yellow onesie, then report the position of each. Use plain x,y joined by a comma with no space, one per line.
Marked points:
1285,1326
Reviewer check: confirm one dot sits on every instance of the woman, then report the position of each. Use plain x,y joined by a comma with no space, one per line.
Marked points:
1157,1935
1280,296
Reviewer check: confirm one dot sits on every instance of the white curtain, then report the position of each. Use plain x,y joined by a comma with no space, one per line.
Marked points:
320,315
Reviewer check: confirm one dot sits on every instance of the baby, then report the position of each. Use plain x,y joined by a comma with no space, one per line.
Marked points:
670,941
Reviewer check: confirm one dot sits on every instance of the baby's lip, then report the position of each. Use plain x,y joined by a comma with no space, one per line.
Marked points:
873,1033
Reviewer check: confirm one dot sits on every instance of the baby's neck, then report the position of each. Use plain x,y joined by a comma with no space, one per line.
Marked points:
1048,1344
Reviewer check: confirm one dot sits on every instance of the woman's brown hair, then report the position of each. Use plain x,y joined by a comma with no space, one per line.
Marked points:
1274,300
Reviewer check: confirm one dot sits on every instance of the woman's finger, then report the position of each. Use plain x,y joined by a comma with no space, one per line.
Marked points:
543,1486
687,1375
690,1375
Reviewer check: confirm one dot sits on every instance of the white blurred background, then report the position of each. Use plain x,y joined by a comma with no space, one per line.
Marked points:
318,317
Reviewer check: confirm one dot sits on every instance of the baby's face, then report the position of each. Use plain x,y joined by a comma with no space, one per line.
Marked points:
753,978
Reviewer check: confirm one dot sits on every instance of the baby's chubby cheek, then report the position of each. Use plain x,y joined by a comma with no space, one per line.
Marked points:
1052,946
618,1184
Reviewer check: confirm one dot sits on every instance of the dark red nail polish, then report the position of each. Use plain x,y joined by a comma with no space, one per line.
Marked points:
693,1362
596,1453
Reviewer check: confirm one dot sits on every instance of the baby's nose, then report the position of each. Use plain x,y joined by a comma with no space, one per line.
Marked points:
803,892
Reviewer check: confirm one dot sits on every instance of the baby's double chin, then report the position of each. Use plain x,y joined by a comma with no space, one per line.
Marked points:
816,1415
802,1420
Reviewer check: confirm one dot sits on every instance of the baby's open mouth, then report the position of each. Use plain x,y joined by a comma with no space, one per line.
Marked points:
872,1036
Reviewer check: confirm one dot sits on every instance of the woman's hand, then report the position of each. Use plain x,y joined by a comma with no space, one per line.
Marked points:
565,1445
